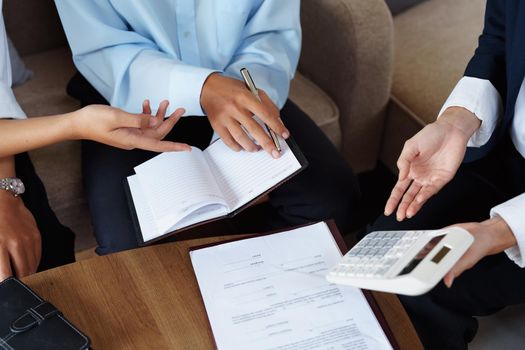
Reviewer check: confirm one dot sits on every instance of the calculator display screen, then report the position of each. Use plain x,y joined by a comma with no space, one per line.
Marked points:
421,255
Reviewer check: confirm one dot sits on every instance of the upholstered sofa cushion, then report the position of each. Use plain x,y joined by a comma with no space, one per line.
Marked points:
45,93
433,44
318,105
57,165
436,41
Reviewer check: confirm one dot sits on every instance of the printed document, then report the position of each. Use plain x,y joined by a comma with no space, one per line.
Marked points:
270,293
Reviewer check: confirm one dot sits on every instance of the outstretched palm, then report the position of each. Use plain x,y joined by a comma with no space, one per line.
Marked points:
149,136
429,160
117,128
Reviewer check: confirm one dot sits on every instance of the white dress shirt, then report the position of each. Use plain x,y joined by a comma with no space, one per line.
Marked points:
9,108
133,50
480,97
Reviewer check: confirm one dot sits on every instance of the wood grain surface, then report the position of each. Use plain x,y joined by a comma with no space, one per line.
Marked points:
148,298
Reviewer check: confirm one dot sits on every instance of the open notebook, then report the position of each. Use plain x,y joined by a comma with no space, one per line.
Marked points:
178,190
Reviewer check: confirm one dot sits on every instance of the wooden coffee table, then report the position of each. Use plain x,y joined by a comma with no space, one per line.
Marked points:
148,298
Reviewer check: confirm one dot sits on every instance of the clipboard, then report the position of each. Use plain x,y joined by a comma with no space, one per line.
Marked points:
135,220
378,313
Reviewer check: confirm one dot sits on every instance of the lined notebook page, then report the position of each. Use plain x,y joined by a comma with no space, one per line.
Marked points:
243,176
175,184
144,214
147,224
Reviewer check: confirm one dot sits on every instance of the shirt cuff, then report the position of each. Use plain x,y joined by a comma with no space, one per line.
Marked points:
512,212
9,108
186,85
480,97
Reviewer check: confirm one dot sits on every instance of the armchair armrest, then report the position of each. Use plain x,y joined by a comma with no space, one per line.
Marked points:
348,53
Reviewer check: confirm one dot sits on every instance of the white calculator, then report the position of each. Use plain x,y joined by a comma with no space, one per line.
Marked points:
401,262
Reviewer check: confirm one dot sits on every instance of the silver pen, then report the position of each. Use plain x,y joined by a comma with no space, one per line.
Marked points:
251,86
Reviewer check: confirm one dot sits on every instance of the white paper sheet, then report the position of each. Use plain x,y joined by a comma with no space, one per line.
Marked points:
148,227
175,184
271,293
243,176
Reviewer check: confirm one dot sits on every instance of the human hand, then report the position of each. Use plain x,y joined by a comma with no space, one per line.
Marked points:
124,130
20,242
230,107
490,237
429,160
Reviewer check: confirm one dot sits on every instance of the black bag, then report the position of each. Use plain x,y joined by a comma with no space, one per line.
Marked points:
29,322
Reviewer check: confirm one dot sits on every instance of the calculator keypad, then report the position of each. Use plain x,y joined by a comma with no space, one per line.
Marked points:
375,254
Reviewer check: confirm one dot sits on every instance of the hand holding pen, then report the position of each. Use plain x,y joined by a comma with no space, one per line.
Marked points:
230,108
253,89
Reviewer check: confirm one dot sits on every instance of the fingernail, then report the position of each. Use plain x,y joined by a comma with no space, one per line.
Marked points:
275,154
286,135
386,213
399,219
409,216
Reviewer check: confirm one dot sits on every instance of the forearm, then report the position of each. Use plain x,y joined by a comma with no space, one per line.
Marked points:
7,167
17,136
462,119
501,234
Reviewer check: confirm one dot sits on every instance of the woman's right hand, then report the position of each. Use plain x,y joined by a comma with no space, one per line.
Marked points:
429,160
120,129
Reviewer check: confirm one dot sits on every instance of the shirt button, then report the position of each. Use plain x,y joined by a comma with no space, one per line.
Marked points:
187,34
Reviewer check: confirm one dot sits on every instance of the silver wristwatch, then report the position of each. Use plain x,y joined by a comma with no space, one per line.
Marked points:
13,185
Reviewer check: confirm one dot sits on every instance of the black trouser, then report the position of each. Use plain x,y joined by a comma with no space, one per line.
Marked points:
326,189
444,317
57,240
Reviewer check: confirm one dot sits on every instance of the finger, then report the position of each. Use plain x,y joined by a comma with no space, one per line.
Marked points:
5,265
128,120
152,144
408,154
426,193
38,256
146,107
257,132
466,262
277,125
241,137
414,208
267,112
463,264
408,198
19,260
449,279
395,196
422,197
34,258
168,124
161,112
227,138
164,146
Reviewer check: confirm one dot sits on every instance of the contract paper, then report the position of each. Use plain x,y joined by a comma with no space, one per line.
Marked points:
270,293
